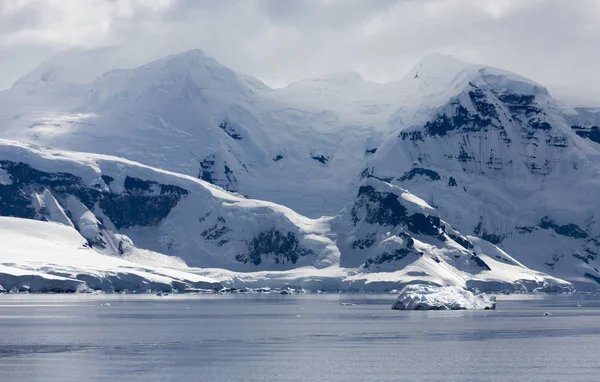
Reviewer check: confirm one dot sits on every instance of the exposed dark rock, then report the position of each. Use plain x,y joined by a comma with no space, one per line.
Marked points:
557,141
209,174
585,259
461,120
229,130
492,237
419,171
107,179
231,184
463,241
452,182
367,242
380,207
320,158
477,229
278,158
494,162
592,133
143,203
203,218
206,169
536,124
283,247
519,103
387,257
127,210
371,151
570,230
480,263
424,224
397,254
464,156
523,230
412,135
215,232
481,103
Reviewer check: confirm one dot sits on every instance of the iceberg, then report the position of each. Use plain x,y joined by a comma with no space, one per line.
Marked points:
428,297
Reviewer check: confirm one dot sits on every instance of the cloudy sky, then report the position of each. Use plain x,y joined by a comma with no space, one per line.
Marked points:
278,41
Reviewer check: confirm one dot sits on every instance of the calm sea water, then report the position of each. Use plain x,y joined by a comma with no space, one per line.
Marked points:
293,338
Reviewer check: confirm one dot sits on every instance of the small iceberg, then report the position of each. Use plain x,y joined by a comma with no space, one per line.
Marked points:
161,293
428,297
287,291
346,304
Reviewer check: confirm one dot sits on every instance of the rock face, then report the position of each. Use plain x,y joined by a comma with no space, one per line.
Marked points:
427,297
387,228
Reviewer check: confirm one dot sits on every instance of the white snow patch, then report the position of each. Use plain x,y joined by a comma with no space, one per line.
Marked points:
44,256
45,204
86,221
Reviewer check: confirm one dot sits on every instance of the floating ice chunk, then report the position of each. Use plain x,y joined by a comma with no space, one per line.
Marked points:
347,304
427,297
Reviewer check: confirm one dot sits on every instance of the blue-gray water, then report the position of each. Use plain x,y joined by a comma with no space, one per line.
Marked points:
293,338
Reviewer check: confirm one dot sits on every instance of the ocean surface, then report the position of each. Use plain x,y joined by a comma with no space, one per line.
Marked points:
294,338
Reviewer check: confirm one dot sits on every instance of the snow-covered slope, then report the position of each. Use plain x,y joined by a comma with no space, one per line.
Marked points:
499,159
39,256
118,209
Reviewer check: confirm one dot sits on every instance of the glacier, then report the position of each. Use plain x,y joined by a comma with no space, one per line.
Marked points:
456,175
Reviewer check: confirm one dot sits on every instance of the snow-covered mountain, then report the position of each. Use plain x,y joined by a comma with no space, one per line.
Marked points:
105,211
189,114
499,159
395,166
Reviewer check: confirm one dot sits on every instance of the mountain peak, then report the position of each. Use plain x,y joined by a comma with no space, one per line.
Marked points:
441,73
437,66
192,69
188,57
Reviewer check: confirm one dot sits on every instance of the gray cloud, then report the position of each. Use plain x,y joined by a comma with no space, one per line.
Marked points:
278,41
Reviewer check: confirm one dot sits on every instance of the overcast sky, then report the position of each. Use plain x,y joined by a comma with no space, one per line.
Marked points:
278,41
